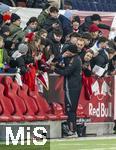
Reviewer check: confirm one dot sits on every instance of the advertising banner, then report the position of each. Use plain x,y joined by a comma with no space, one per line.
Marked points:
100,108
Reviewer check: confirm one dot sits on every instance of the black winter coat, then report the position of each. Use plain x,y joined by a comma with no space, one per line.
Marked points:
49,22
72,73
85,26
55,45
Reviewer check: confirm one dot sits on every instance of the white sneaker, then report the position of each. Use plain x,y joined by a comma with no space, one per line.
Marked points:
72,134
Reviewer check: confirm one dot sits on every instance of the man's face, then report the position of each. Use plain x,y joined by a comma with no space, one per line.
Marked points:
18,22
80,44
57,37
33,25
44,35
88,56
54,14
75,25
94,34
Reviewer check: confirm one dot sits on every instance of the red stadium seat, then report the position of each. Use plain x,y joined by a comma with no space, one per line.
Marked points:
43,105
8,108
30,102
3,116
11,89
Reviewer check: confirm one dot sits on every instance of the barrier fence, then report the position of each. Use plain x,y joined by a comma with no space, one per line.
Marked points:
102,105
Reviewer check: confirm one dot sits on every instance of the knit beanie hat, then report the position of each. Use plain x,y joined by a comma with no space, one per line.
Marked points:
93,28
4,8
23,48
15,17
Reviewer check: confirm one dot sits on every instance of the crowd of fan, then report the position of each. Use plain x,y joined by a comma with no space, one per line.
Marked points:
47,40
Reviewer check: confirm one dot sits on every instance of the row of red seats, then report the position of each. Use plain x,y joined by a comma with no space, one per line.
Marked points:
20,104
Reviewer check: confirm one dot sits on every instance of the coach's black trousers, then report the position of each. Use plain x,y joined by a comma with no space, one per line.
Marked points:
71,103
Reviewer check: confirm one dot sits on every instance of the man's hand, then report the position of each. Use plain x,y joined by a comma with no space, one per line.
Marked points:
67,54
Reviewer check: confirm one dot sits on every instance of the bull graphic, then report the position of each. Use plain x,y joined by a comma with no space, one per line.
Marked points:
105,89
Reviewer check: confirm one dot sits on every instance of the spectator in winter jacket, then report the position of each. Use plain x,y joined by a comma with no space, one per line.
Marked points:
19,58
55,40
66,26
42,17
76,23
86,57
96,19
71,39
16,32
32,25
5,14
94,31
52,22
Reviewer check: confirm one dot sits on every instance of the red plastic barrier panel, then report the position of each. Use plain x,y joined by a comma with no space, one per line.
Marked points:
101,106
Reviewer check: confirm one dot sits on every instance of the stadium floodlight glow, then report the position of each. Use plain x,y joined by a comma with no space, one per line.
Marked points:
37,139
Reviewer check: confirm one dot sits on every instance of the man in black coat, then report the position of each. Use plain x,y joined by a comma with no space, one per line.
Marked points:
96,19
55,41
72,84
52,22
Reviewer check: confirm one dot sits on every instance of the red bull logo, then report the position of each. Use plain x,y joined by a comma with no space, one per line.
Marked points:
101,92
101,110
